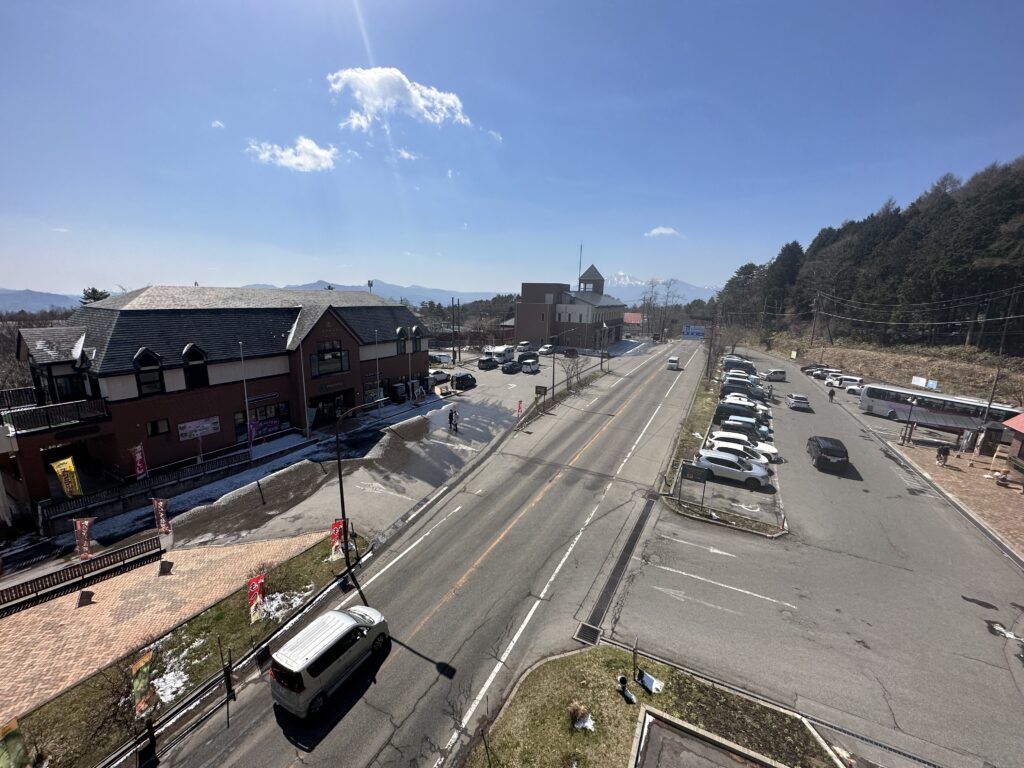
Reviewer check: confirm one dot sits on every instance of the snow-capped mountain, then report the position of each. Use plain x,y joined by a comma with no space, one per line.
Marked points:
631,289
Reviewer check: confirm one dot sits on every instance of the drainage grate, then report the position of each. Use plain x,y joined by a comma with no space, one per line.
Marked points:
587,634
605,598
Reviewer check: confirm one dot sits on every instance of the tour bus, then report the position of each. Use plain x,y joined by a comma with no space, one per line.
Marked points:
948,413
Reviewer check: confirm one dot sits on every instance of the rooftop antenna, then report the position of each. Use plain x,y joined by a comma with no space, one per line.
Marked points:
579,274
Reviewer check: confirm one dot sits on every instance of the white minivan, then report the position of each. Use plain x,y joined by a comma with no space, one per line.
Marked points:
673,363
313,664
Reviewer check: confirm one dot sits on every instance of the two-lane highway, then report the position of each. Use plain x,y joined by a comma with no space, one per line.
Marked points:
513,549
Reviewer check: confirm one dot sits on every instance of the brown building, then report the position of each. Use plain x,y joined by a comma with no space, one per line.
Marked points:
585,318
189,371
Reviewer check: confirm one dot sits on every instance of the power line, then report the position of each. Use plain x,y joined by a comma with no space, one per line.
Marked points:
986,296
921,322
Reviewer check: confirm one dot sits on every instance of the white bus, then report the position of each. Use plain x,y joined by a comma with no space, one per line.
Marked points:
947,413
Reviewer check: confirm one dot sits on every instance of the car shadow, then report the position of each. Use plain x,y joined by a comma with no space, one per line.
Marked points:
849,472
306,734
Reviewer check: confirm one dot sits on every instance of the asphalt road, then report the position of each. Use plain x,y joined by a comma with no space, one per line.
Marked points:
491,578
871,614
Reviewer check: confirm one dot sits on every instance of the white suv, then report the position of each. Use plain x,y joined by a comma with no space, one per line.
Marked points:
724,446
738,438
730,467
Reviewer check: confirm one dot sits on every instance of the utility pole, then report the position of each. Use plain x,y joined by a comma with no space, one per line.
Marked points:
999,366
814,322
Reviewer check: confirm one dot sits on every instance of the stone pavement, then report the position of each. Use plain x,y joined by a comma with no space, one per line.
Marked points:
1000,509
52,646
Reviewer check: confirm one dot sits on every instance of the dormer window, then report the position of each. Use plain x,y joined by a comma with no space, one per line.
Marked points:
148,375
196,375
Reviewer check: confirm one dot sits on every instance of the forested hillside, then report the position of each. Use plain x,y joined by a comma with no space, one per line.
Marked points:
947,269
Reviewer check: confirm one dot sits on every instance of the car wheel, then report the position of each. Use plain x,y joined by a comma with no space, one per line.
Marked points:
316,705
891,415
752,484
378,642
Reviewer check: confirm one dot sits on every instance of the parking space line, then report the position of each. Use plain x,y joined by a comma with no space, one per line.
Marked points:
724,586
682,597
712,550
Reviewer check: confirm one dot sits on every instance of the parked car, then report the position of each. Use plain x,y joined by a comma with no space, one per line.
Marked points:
439,376
464,380
854,389
774,374
740,438
486,363
523,346
842,381
729,467
440,358
524,356
747,426
512,366
314,664
570,352
728,410
546,349
530,366
739,388
743,400
809,369
827,452
824,373
798,402
724,446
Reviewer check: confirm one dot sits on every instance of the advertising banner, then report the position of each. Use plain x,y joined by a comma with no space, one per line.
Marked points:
143,695
337,539
12,747
83,533
256,586
138,460
163,523
190,430
65,469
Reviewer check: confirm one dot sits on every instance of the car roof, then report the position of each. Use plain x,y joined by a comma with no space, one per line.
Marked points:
828,442
797,396
313,639
725,435
711,453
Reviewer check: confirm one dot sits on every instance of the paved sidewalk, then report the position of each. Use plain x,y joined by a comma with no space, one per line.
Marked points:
52,646
1000,509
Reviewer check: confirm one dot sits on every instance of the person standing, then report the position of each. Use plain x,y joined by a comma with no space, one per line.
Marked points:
831,394
451,419
455,419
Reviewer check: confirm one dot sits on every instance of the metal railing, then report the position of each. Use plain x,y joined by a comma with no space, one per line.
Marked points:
53,416
17,398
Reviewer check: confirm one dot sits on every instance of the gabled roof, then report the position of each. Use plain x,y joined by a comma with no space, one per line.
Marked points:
62,344
596,299
591,274
1016,423
165,319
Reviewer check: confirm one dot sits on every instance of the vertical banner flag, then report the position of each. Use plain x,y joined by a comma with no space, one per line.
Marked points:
65,469
143,695
163,524
138,460
252,432
83,532
256,585
519,411
12,747
337,539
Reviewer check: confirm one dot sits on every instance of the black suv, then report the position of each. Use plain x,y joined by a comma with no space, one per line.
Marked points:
827,452
464,381
486,363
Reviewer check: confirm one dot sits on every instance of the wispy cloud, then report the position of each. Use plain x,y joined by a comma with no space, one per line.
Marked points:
216,124
451,174
496,136
660,231
382,91
62,230
305,156
405,154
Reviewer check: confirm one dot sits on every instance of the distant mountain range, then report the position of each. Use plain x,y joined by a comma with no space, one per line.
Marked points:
620,285
34,301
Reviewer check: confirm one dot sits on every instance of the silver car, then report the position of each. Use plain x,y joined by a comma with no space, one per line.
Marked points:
729,467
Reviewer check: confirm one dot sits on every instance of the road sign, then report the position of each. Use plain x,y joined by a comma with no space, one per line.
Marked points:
540,390
693,331
696,474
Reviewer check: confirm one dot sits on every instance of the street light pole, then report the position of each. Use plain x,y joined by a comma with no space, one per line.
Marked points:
908,431
376,362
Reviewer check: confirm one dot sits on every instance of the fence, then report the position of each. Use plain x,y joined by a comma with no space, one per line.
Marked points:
51,585
17,398
53,416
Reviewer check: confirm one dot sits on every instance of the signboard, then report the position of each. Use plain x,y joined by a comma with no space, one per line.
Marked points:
540,390
138,460
337,539
163,524
143,695
65,469
693,331
696,474
921,381
190,430
83,536
256,596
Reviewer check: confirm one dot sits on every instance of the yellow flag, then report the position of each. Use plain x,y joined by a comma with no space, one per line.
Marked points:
65,469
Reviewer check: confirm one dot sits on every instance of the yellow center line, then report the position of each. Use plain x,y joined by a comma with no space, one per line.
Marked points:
530,505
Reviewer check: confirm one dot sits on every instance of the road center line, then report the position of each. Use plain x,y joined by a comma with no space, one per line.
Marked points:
725,586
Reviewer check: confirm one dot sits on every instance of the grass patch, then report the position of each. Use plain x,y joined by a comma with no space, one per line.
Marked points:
90,720
697,420
535,727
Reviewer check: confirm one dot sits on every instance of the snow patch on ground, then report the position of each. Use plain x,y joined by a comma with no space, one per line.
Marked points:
175,677
280,604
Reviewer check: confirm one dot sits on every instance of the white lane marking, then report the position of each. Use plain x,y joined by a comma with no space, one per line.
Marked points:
430,501
720,584
378,488
511,386
748,507
592,402
682,597
402,554
712,550
453,445
515,638
637,441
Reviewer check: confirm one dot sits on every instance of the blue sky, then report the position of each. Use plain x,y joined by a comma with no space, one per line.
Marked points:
473,146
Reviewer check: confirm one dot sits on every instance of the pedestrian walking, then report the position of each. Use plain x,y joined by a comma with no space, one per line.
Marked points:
942,455
451,419
455,419
831,394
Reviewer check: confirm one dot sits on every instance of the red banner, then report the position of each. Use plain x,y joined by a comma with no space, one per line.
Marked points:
163,523
83,527
143,695
256,586
138,460
337,539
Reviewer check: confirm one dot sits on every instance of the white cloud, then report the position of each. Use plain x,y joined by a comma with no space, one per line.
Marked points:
62,230
405,154
496,136
465,226
216,124
659,231
380,91
450,174
305,156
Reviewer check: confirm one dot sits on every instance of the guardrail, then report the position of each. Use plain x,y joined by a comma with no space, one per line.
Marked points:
17,398
51,585
27,419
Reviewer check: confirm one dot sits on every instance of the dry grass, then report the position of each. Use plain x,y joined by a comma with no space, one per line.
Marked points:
697,421
536,730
